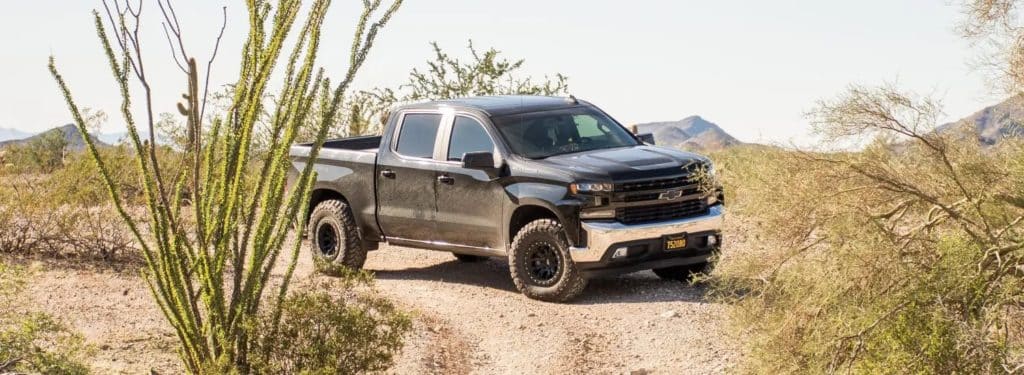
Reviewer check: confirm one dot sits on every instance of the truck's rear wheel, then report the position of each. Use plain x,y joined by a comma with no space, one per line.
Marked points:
467,258
334,238
682,273
540,263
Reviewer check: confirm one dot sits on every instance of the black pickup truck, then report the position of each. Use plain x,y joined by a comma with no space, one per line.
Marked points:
554,185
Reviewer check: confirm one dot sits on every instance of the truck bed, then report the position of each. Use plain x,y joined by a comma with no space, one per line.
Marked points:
348,166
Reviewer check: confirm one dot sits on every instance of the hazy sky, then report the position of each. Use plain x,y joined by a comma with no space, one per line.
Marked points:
753,67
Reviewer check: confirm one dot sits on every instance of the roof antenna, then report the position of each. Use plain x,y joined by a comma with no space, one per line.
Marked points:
573,98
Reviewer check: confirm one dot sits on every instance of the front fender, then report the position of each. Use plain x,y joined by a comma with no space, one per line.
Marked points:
552,197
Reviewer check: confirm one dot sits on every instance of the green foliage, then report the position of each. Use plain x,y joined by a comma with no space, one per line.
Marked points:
321,332
34,342
486,74
447,77
43,154
47,151
78,184
214,231
907,256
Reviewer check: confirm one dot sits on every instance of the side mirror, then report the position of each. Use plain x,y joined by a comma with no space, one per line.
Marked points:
647,138
481,160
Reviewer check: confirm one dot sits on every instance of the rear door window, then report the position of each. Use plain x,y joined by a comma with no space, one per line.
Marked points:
417,135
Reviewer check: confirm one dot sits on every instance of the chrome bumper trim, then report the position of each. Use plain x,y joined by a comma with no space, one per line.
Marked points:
602,235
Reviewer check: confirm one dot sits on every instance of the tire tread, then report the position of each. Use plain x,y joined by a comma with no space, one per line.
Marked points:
572,283
352,255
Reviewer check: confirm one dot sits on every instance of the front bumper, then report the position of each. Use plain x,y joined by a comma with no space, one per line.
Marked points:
644,243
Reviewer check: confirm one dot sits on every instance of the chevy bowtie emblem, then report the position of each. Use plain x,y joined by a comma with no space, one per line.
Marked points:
670,195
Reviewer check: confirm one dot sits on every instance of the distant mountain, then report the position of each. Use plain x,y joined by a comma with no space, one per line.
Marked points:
691,133
71,135
991,124
7,134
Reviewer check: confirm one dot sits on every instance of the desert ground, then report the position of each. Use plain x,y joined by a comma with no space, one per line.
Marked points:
468,319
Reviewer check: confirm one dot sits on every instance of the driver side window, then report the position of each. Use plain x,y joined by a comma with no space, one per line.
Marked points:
468,135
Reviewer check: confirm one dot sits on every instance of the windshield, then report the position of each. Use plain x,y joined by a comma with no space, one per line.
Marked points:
542,134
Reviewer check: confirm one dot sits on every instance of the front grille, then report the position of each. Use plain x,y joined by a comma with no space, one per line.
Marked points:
665,183
637,197
659,212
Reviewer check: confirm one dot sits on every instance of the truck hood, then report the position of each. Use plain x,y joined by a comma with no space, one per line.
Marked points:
619,164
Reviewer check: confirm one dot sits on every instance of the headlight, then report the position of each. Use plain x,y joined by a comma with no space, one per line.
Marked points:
590,187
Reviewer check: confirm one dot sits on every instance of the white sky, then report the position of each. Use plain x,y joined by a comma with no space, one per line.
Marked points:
753,67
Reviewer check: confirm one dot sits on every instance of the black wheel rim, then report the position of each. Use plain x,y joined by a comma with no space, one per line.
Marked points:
542,263
327,240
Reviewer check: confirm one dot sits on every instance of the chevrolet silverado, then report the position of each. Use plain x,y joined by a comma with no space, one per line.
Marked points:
554,185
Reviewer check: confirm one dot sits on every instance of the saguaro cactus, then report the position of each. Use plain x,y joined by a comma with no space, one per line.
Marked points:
209,258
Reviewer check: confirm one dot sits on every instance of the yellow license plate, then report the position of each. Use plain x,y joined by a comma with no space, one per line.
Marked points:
675,242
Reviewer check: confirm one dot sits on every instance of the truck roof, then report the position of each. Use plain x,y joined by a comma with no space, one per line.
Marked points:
503,104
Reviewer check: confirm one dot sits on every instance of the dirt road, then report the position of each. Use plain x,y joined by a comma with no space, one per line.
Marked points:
469,319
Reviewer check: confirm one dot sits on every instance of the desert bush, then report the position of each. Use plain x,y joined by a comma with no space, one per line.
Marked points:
77,183
43,154
341,327
906,256
42,216
34,342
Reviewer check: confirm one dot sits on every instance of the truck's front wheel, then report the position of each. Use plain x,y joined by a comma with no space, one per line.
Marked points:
540,263
334,238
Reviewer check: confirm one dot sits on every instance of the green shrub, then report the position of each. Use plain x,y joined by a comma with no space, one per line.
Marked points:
77,182
907,256
43,154
322,332
34,342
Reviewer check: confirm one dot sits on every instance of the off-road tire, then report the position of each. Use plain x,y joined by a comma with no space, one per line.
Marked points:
547,236
467,258
682,273
333,218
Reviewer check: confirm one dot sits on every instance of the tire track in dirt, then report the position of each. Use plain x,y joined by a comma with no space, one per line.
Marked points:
629,324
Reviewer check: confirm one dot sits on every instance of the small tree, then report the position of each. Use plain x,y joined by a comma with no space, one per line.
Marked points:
908,254
447,77
209,261
486,74
44,153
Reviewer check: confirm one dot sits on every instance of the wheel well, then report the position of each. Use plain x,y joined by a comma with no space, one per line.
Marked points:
524,215
320,195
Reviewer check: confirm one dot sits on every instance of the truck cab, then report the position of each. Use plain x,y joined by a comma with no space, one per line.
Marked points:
554,185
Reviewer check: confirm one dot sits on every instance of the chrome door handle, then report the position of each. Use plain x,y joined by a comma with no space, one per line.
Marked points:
445,179
387,173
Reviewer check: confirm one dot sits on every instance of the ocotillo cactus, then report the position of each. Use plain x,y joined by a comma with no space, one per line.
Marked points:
208,265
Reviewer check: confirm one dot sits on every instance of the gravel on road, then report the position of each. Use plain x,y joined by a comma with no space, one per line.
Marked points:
469,318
